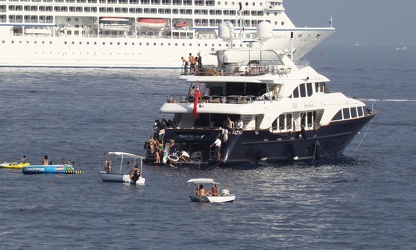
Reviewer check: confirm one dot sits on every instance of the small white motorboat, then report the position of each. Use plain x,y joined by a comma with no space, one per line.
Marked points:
133,176
213,195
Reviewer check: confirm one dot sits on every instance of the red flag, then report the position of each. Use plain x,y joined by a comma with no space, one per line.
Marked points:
197,96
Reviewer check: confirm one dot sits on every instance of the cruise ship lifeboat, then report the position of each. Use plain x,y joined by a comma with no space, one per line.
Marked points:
180,24
114,23
151,23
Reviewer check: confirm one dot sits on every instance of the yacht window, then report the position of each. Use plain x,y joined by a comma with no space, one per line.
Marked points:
296,93
302,90
281,122
303,119
346,113
337,116
289,121
311,115
353,112
360,111
309,88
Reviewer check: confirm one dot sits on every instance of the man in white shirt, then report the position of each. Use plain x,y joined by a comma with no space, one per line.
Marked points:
217,144
184,156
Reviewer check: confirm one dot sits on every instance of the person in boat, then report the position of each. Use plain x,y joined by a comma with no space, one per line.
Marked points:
229,124
217,144
134,173
192,92
199,60
240,124
184,65
172,147
213,191
152,145
202,191
45,160
108,166
24,159
157,151
192,61
184,156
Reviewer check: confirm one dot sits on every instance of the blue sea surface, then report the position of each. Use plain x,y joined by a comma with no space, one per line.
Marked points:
365,200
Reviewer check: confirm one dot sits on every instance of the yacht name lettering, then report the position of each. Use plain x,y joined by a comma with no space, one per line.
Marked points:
309,104
190,136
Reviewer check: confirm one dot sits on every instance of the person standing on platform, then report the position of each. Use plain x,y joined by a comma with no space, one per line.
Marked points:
184,66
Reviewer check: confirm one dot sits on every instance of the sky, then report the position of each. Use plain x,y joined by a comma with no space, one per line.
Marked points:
368,22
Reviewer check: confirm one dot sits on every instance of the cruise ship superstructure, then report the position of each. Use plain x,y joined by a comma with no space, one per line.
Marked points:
138,33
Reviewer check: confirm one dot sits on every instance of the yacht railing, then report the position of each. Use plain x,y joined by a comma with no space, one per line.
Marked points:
230,99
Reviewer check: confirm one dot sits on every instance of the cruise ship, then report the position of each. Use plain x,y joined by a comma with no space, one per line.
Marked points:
139,33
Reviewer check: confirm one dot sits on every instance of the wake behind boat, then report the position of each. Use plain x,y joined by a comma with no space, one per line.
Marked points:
259,105
118,173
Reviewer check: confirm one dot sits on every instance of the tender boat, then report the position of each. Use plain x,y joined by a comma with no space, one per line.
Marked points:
263,106
151,23
14,165
181,24
218,196
119,173
50,169
115,23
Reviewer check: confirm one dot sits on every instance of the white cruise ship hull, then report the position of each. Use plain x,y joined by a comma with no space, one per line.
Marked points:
138,33
30,51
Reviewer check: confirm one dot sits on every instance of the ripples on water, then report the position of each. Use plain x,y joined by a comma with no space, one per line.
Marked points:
363,201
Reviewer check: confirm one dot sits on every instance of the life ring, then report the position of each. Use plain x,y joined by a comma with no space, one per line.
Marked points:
173,158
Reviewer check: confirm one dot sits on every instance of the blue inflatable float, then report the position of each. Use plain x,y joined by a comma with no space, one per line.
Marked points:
50,169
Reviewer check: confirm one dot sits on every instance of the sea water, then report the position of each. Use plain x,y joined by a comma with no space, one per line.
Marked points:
363,201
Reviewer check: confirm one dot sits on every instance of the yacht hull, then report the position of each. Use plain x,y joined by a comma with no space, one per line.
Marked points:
251,146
